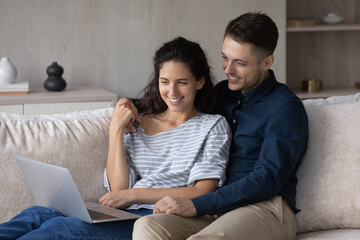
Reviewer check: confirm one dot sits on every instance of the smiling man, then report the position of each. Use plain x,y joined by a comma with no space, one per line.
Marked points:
270,134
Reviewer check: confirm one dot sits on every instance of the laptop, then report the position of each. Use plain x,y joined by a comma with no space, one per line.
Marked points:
54,187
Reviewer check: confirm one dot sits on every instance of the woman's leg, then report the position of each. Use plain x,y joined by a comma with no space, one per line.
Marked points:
45,223
26,221
72,228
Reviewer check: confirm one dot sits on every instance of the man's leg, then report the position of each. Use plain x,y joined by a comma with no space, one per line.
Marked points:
168,226
268,220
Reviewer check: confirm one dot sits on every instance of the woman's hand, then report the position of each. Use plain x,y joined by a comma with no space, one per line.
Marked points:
117,199
124,116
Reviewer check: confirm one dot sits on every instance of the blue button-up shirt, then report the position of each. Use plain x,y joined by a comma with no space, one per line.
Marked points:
270,135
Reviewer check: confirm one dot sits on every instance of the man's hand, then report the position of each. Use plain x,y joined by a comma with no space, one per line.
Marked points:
177,206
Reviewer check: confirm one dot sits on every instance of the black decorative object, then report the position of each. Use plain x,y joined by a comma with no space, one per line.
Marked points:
54,82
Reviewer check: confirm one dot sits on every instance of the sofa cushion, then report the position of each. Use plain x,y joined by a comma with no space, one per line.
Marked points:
77,141
329,176
339,234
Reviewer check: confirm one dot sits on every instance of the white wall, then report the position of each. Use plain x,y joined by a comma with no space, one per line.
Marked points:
110,43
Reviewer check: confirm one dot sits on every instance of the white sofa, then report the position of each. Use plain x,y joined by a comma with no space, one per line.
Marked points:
328,193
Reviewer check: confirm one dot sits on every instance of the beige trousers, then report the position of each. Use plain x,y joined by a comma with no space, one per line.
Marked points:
268,220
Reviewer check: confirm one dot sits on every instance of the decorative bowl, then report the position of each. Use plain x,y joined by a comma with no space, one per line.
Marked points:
332,18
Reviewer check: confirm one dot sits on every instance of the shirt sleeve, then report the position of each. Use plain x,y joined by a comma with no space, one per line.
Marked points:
128,139
106,181
214,156
284,144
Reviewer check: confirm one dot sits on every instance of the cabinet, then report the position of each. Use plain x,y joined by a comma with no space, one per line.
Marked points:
40,101
327,52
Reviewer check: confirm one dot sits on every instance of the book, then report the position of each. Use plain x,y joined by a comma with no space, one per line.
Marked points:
14,93
14,88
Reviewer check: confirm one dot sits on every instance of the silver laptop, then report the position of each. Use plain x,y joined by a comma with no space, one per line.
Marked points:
54,187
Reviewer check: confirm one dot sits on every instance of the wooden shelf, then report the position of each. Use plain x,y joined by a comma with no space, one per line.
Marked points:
326,27
326,93
40,101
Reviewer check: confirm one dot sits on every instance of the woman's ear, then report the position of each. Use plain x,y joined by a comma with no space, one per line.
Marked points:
200,84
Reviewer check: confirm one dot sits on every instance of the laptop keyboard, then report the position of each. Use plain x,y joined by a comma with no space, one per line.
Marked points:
99,216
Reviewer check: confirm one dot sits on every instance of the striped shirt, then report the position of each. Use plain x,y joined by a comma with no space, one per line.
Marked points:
197,149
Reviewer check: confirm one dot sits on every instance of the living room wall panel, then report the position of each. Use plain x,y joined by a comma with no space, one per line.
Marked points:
110,43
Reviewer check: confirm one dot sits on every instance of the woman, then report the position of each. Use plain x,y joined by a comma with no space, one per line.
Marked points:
176,149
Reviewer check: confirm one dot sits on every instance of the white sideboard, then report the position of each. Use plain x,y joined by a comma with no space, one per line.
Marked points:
40,101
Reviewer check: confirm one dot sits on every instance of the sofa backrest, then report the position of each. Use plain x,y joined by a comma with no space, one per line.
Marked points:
77,141
328,178
327,192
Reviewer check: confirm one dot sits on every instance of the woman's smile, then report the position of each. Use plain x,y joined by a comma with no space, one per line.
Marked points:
175,100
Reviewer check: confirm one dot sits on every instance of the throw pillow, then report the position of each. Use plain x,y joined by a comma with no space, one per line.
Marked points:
77,141
327,191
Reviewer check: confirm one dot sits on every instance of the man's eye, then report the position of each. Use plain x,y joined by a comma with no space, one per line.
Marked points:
182,83
164,82
240,63
224,58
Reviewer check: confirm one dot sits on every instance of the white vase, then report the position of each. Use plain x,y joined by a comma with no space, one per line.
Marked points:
7,71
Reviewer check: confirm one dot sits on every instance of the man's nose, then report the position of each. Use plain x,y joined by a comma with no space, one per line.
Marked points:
229,68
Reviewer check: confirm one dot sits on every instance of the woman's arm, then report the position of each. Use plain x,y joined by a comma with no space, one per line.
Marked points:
124,198
121,123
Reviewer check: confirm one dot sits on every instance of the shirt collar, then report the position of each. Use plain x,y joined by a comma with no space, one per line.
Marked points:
262,90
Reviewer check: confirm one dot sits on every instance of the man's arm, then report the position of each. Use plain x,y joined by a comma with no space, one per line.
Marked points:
284,145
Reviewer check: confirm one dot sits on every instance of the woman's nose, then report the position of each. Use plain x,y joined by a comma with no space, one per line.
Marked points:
172,88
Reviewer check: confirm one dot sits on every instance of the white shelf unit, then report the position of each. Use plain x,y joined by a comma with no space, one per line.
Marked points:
327,52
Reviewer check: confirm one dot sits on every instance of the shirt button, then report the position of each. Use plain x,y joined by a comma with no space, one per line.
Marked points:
234,121
239,101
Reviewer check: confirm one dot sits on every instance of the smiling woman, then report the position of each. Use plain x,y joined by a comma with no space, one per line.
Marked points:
178,149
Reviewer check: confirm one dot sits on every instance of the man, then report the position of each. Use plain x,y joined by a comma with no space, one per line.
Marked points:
270,133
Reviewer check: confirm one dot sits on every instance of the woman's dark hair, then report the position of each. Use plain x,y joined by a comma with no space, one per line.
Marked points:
187,52
255,28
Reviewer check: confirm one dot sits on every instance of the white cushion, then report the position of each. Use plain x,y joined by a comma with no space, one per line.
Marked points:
329,177
333,100
77,141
